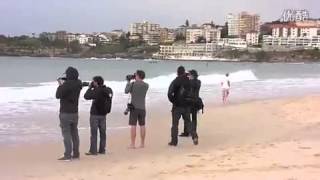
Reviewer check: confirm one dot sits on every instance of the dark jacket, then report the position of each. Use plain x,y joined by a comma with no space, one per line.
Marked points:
174,88
69,92
195,87
100,95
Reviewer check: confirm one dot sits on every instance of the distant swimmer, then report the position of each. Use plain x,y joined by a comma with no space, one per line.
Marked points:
225,85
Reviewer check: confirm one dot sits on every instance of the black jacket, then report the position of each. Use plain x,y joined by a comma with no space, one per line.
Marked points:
195,87
100,95
174,88
69,92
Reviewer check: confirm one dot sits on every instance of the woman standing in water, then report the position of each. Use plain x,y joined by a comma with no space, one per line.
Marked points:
225,85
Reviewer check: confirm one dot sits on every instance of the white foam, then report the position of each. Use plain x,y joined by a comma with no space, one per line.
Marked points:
46,90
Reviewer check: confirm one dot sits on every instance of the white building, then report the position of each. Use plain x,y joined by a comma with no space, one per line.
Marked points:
252,38
193,34
207,31
242,23
167,35
236,43
71,37
147,31
102,38
143,28
117,33
83,39
151,38
233,24
294,35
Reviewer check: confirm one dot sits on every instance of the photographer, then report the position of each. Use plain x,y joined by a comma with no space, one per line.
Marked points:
68,92
101,106
178,95
195,84
138,90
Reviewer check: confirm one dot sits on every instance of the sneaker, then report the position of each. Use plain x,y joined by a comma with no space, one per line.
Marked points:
91,154
64,159
195,141
184,134
172,144
102,152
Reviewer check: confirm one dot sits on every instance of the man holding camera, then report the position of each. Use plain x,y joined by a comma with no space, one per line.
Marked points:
178,95
68,92
101,106
138,90
195,85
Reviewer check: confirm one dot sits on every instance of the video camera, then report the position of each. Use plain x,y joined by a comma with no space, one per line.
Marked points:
63,79
130,77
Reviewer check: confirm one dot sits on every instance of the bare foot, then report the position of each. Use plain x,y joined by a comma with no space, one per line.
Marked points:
141,146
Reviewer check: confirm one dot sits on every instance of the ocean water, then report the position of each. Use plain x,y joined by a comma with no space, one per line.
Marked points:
28,85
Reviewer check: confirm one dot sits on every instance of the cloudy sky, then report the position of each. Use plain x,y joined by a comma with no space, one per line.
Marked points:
27,16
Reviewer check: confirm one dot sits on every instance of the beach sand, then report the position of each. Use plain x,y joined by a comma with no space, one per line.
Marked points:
271,139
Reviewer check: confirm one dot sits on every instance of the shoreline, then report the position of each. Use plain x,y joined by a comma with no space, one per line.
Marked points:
122,126
239,141
155,60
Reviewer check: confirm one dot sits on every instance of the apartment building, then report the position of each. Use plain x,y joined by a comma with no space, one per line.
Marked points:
241,24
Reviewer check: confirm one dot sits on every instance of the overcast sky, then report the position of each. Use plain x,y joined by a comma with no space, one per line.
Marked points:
26,16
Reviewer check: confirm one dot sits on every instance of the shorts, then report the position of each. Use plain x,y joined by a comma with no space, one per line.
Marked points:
137,115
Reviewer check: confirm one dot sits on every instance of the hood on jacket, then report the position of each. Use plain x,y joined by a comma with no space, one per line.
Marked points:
72,73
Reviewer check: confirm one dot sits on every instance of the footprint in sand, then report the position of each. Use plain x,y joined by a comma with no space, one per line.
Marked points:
302,147
132,167
194,155
233,169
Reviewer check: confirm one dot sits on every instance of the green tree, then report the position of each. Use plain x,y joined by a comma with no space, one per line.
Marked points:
180,37
187,23
59,44
200,39
261,56
224,31
75,46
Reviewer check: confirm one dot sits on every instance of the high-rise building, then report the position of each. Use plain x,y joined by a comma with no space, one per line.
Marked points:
166,35
149,32
208,32
241,24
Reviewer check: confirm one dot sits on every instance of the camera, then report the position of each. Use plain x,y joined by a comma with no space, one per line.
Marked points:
130,107
84,84
63,79
130,77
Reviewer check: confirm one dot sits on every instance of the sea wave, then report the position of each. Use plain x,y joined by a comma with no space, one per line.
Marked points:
46,90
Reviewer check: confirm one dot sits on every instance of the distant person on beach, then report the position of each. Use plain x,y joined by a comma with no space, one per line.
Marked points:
177,94
101,106
137,107
68,92
225,85
195,84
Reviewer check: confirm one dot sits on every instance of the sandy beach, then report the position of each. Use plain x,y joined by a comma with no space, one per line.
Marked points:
265,140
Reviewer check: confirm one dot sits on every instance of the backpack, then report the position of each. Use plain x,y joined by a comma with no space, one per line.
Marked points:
185,96
199,104
109,100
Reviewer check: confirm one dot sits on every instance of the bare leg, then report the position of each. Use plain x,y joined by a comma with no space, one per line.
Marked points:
133,137
143,135
223,96
226,95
